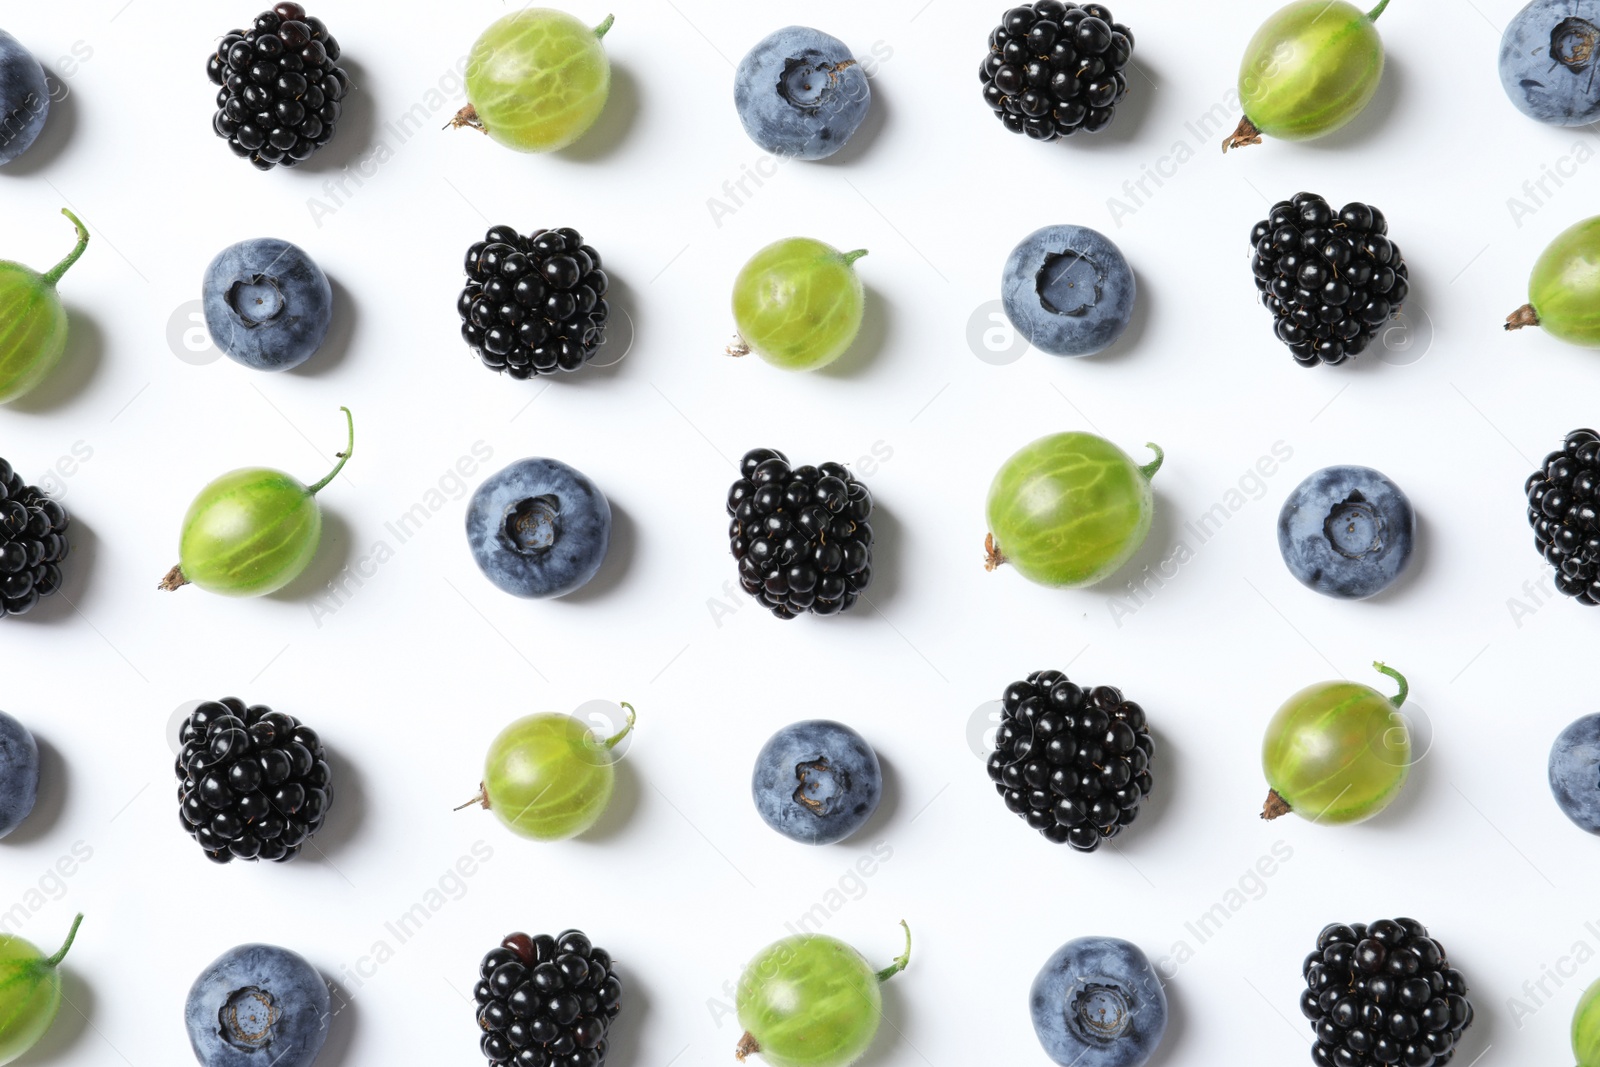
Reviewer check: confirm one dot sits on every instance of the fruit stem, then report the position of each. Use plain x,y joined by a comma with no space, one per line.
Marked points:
174,580
61,953
902,961
1372,16
747,1046
1149,469
72,257
611,742
482,799
467,116
605,27
1244,134
344,457
738,348
1400,697
1275,807
851,257
1523,316
992,556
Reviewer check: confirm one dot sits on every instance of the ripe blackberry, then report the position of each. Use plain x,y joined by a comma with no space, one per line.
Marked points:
1331,280
1074,763
1564,511
546,1001
1383,994
253,783
534,305
281,89
801,535
1055,68
33,542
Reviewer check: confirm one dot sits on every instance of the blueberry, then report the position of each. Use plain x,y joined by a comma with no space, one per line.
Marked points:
1098,1003
801,94
267,305
1347,532
1548,64
816,782
1575,772
19,773
24,98
257,1005
538,528
1068,290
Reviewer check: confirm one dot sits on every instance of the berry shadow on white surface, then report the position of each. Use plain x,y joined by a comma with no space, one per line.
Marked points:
49,802
606,137
1358,134
52,140
354,138
86,345
339,340
877,328
333,556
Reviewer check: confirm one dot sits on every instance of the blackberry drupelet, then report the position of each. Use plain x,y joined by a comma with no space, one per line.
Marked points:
534,305
33,542
802,535
1073,762
1055,68
253,783
1383,994
281,87
1564,511
546,1001
1331,280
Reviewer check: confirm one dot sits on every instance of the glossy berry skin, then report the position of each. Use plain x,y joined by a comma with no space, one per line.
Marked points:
1068,290
1383,993
267,304
1347,532
1562,499
816,782
257,1004
1586,1028
546,1000
19,773
537,80
24,98
1097,1002
1311,68
33,543
533,304
548,777
1070,509
1547,61
1575,772
538,528
811,1001
36,323
1055,69
1336,752
799,303
801,94
30,992
1564,289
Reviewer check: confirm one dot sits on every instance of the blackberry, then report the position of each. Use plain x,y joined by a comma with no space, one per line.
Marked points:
1073,762
1564,511
253,783
33,542
534,305
1055,68
547,1001
801,535
1383,994
1331,280
281,90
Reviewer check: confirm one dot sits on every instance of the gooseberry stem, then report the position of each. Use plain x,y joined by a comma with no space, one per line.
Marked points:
627,728
1523,316
605,27
851,257
1372,16
72,257
481,800
1276,807
344,457
1149,469
1405,688
747,1047
1244,134
61,953
992,556
902,961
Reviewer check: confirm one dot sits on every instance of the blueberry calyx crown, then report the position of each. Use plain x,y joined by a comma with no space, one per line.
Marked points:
247,1017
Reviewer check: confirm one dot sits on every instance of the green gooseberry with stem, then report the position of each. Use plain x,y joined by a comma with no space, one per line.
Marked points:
798,304
549,776
1312,67
537,80
1586,1028
1564,289
812,1001
252,531
1337,752
34,334
30,991
1069,509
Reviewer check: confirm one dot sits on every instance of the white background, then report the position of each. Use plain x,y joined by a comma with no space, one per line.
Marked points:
412,676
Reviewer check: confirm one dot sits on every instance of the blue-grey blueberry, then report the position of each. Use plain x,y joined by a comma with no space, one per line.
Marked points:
24,98
1347,532
1575,772
1549,64
801,94
19,773
1068,290
257,1006
267,305
538,528
1097,1002
816,782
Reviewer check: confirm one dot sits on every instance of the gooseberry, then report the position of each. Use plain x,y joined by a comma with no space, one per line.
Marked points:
30,992
798,304
35,333
537,80
1564,289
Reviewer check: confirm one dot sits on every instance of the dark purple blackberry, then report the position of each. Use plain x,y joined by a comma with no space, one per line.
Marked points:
1331,280
253,783
281,89
802,535
1055,68
546,1001
33,542
536,304
1073,762
1383,994
1564,511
